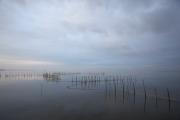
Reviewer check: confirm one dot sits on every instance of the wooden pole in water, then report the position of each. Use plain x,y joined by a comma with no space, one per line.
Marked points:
169,100
114,90
145,96
156,94
134,93
123,89
106,89
127,87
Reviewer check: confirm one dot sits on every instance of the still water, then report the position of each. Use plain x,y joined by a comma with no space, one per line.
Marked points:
87,96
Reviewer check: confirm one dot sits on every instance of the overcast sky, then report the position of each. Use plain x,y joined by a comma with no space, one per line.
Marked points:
90,33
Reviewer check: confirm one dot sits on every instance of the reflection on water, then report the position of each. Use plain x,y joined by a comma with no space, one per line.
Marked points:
38,95
122,89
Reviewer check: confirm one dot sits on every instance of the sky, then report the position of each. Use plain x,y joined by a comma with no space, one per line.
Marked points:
90,34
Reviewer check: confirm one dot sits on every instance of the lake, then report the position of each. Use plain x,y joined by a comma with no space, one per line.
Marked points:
89,96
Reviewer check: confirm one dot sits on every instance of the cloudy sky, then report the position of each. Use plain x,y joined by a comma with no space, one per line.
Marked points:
85,34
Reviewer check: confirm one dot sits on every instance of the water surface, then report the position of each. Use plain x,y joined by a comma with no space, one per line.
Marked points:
86,96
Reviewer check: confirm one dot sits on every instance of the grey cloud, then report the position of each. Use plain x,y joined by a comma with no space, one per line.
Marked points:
91,31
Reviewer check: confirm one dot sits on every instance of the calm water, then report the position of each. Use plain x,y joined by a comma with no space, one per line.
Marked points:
88,96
